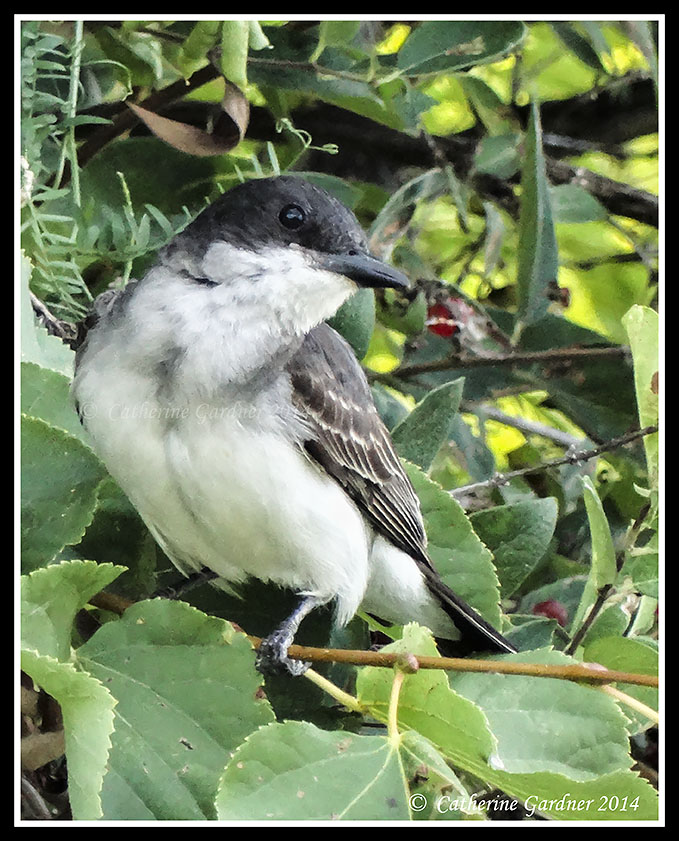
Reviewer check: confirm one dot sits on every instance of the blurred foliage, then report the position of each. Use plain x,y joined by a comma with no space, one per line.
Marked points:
510,169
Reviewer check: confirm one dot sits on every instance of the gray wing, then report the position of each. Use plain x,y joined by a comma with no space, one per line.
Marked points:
350,441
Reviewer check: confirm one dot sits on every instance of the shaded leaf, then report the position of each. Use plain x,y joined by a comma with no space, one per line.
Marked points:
437,46
87,709
518,536
59,484
187,695
420,435
538,256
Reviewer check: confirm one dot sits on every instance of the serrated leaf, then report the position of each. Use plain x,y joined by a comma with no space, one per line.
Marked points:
460,730
45,394
543,724
627,655
461,559
50,599
187,693
294,771
59,480
87,710
37,345
518,536
420,435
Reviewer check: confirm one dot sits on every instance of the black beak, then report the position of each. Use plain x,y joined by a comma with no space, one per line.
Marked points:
364,270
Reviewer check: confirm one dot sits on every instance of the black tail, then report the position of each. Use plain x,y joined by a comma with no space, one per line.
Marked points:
475,633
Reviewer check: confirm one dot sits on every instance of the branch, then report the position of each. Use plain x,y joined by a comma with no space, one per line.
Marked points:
572,457
594,611
585,672
570,354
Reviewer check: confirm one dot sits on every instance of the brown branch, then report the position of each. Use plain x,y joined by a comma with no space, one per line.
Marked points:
592,614
619,199
570,354
588,673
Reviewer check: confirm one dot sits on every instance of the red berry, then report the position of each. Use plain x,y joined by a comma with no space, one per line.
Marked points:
553,610
439,321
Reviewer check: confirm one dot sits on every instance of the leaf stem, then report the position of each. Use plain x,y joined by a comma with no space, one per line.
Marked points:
392,716
334,691
632,703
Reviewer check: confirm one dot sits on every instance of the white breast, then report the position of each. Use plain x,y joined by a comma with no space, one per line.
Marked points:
219,486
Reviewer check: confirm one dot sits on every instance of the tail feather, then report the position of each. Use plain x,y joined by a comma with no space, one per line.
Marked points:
475,633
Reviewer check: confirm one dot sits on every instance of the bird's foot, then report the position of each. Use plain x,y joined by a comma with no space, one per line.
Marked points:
272,656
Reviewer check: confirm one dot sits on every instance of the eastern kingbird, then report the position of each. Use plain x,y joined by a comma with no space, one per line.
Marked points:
242,427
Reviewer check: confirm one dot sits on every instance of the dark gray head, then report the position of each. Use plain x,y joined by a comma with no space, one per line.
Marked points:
272,213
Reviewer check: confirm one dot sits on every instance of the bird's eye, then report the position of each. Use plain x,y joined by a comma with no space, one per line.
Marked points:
292,216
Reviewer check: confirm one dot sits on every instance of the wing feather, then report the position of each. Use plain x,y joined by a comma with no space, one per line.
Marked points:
349,439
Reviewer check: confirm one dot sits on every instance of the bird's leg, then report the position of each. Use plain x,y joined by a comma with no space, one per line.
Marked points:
272,656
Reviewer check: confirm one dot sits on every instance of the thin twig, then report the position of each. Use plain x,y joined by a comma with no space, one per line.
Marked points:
594,611
570,354
572,457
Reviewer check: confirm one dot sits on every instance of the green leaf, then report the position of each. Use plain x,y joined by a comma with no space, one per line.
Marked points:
234,54
460,730
87,710
572,203
59,484
187,693
194,51
334,33
499,155
355,320
627,655
518,536
579,45
141,56
441,46
37,345
461,559
45,394
50,599
538,261
544,724
294,771
641,324
420,435
603,568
